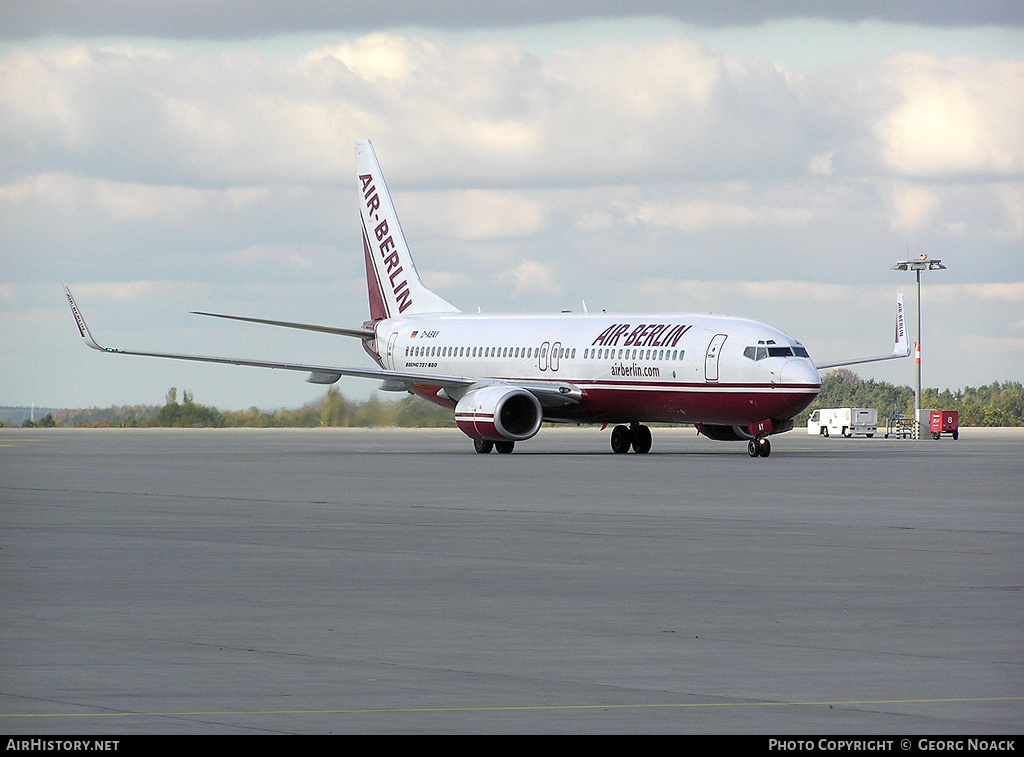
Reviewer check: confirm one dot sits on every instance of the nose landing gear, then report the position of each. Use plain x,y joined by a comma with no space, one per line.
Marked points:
759,447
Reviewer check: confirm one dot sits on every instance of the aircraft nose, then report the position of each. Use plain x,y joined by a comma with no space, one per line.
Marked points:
800,371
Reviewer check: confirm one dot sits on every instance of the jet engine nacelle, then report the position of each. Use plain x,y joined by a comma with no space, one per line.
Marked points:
499,414
741,433
725,433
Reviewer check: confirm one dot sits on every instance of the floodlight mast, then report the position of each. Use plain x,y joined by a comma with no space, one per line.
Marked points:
917,265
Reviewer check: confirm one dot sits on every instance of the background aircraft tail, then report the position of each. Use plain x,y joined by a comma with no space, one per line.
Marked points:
392,280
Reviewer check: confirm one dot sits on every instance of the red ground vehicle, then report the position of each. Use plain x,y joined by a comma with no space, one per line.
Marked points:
945,422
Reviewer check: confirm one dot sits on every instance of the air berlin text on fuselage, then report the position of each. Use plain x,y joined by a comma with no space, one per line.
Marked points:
387,245
644,335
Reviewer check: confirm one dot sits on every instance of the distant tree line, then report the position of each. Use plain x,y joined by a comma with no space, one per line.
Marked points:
996,404
48,421
333,409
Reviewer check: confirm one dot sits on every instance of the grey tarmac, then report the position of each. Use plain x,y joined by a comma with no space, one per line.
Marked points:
386,581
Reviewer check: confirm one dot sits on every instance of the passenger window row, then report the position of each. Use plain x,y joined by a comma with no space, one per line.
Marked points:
528,352
495,352
606,353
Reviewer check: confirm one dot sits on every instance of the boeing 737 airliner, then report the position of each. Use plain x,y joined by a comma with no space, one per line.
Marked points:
503,376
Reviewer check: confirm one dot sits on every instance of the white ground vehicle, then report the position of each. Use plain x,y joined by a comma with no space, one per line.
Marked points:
844,421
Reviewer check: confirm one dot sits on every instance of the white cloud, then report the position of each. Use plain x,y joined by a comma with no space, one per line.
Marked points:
705,215
635,175
136,291
448,281
275,257
914,208
719,296
379,58
493,114
531,275
1010,198
1004,292
476,215
952,116
821,164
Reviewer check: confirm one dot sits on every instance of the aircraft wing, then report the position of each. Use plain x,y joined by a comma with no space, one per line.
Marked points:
319,374
548,394
900,350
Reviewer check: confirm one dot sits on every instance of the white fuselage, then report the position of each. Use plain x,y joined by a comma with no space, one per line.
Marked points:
670,367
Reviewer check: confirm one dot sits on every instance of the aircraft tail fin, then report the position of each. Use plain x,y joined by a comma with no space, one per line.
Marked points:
393,283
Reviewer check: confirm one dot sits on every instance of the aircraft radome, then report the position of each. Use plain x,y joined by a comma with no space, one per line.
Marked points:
504,375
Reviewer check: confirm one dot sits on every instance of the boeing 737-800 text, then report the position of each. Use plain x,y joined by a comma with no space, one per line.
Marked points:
734,379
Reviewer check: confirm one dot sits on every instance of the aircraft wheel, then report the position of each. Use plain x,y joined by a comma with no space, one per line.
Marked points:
620,440
752,449
483,446
764,447
504,448
641,439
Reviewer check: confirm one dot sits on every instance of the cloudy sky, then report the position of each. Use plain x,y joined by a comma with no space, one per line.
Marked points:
771,161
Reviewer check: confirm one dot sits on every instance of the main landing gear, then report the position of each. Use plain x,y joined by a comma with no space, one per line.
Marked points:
483,446
759,447
635,435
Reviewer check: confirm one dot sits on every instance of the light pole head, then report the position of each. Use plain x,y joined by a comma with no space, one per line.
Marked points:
919,264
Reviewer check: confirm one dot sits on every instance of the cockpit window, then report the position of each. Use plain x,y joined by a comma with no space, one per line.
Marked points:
771,349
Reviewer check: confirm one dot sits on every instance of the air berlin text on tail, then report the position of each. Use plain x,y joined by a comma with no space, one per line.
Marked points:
387,244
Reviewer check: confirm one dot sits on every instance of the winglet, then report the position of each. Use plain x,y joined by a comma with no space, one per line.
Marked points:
902,346
82,328
899,350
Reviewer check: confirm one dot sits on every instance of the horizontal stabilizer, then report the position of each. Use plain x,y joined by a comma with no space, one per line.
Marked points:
358,333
